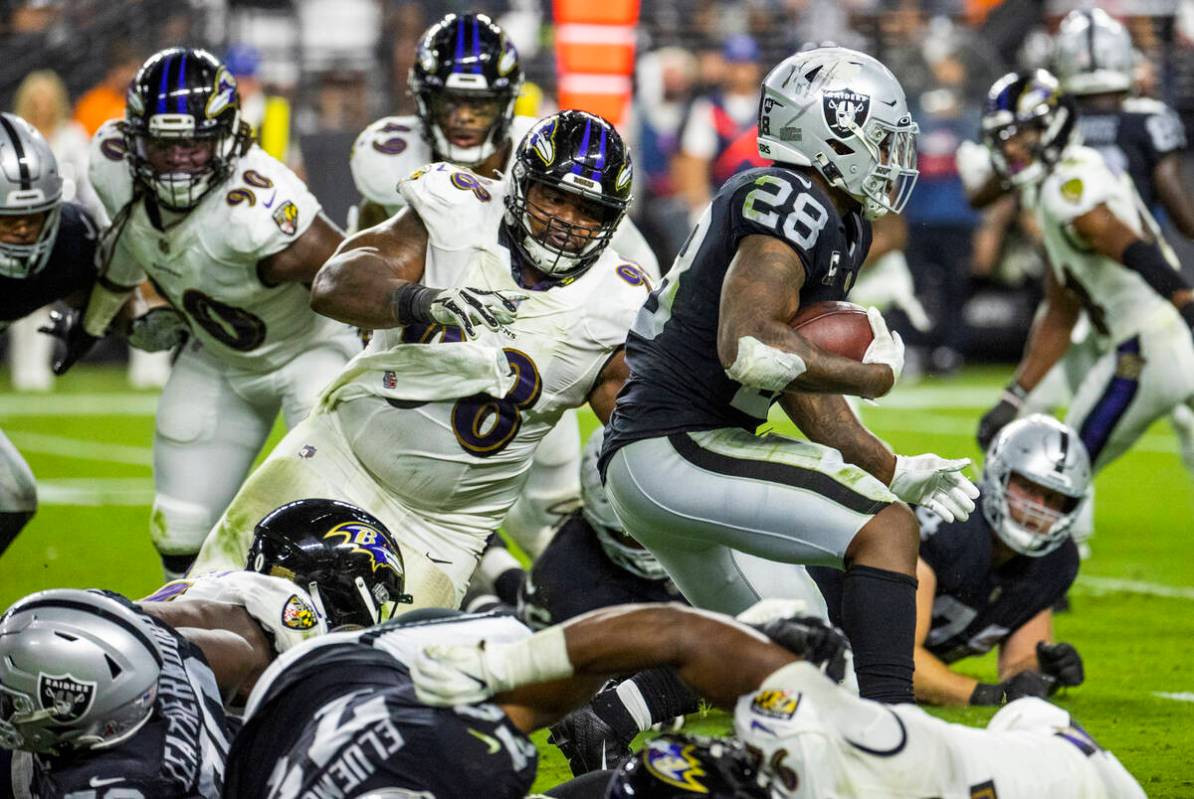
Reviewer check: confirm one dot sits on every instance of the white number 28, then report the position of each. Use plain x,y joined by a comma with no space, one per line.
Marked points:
801,225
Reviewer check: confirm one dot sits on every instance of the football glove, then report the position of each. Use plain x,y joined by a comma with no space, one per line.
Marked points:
1003,414
936,484
813,639
1026,683
448,675
157,330
588,742
468,307
1061,662
886,347
67,327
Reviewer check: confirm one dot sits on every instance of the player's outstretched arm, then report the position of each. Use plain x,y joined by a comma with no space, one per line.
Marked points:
299,262
756,345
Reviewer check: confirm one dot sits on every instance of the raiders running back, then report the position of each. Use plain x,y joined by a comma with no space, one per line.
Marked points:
339,717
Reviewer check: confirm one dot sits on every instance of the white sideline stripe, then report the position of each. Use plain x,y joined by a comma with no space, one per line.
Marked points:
1106,585
98,404
80,449
95,491
1180,696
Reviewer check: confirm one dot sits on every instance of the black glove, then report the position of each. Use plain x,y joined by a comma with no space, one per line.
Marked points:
1001,415
67,327
813,639
1061,662
1026,683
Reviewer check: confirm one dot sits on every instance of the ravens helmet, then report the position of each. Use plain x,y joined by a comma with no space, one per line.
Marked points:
78,670
686,766
182,126
345,558
1027,123
465,60
576,153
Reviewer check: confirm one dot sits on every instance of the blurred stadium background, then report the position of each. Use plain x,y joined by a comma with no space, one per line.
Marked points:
313,73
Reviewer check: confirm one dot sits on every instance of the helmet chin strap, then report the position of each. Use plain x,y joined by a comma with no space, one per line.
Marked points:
465,156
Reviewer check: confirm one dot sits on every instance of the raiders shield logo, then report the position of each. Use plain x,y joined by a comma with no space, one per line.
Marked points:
843,107
70,699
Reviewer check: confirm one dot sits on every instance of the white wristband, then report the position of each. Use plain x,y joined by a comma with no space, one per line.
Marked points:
541,658
102,308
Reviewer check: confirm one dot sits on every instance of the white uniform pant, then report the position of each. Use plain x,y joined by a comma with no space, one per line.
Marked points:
552,488
315,460
212,420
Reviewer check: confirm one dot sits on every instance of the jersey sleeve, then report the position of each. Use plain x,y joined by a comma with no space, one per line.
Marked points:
609,319
629,243
265,206
1166,133
448,198
383,154
283,610
108,170
780,204
1080,183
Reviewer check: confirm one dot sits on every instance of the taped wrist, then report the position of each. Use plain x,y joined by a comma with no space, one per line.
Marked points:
986,694
760,365
541,658
105,302
1147,260
412,303
1014,394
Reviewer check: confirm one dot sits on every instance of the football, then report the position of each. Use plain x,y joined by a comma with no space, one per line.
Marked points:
838,327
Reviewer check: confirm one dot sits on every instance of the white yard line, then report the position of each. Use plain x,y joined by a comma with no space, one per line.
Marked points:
80,449
96,491
1108,585
98,404
1180,696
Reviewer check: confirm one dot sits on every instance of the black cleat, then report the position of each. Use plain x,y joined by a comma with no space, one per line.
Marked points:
588,742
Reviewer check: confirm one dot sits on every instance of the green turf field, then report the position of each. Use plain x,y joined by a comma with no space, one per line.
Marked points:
1133,619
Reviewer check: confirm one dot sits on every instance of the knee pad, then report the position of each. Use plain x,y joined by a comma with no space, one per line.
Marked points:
178,527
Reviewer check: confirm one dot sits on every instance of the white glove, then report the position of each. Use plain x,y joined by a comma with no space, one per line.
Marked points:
766,610
449,675
887,347
935,483
466,307
973,161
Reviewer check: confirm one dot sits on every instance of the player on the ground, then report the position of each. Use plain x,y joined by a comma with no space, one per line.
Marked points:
231,239
1107,257
386,708
47,253
713,349
99,699
993,579
433,428
465,80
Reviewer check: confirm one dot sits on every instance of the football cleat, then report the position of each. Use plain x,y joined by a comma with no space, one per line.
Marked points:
588,742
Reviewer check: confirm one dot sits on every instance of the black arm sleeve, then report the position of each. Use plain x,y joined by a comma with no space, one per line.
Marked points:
1146,259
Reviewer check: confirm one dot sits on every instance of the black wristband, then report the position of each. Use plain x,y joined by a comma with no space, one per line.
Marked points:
412,303
1147,260
987,694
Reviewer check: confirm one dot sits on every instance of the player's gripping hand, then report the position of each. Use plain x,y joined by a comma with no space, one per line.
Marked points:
449,675
1061,662
67,327
886,347
157,330
1003,414
1026,683
787,623
936,483
467,308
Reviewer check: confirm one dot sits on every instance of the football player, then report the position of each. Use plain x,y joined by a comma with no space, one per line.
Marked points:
465,80
993,579
100,699
433,428
47,253
231,239
713,348
441,703
1107,257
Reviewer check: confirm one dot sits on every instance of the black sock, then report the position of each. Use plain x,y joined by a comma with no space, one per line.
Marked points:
10,525
666,695
177,564
508,584
609,708
879,618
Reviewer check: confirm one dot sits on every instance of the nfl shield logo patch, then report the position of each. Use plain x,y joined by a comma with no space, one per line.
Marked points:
286,218
844,109
70,699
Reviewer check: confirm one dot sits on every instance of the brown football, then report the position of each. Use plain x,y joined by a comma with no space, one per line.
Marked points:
838,327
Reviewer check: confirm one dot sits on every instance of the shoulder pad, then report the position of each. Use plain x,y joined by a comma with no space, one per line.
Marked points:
451,200
777,202
621,290
1145,105
262,207
383,154
284,610
107,168
1080,182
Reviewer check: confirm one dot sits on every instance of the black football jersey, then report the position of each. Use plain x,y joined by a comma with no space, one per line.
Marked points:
339,717
178,754
1134,139
677,383
70,268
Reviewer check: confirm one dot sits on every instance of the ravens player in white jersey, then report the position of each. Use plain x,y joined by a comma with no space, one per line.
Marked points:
993,579
231,239
1106,257
47,253
732,515
100,699
465,80
433,428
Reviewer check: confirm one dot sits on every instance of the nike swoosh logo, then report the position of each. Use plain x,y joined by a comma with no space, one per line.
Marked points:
494,745
96,782
270,203
889,103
